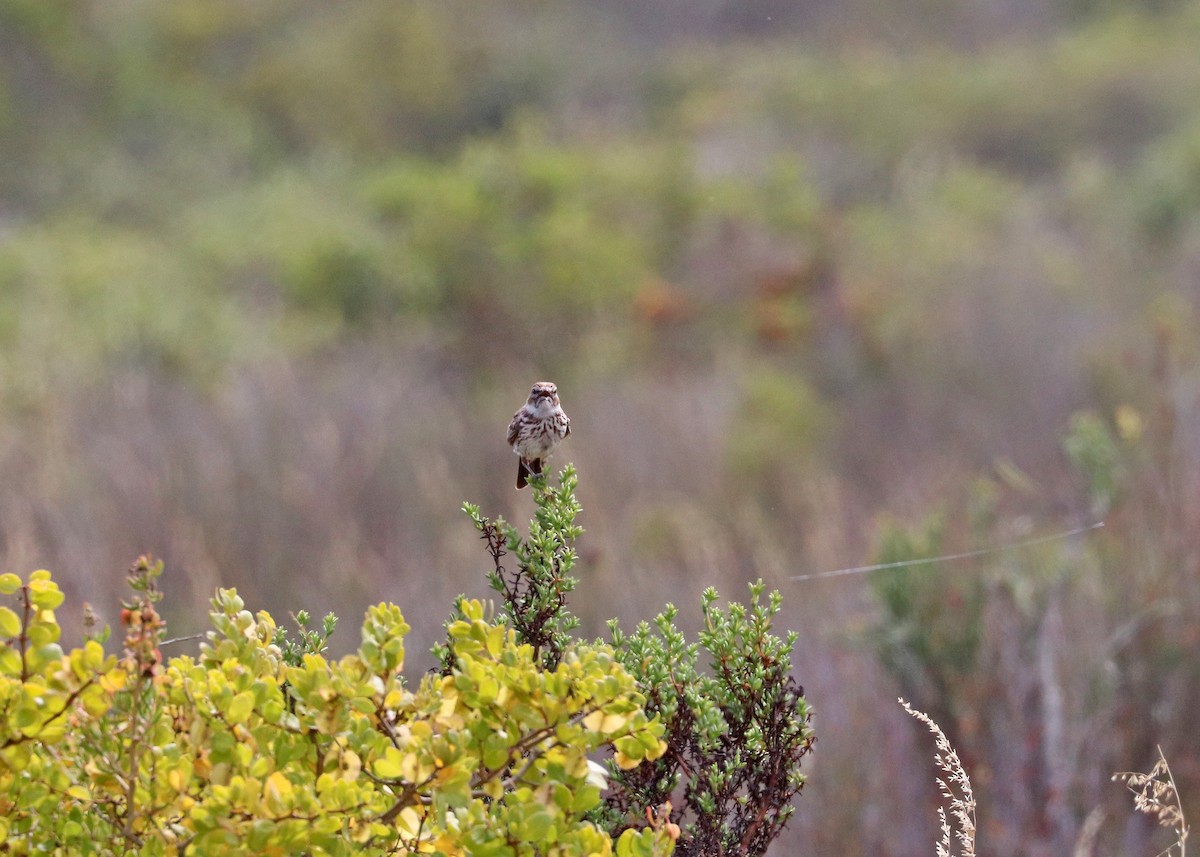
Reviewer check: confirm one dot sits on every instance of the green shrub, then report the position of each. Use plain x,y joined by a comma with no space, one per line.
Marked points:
236,751
735,727
261,744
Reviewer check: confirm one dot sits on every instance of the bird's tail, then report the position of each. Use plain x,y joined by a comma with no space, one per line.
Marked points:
525,469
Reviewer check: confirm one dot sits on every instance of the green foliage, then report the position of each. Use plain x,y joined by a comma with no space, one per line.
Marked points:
930,633
779,411
734,731
534,594
80,295
735,734
1095,453
308,641
46,695
516,223
261,744
258,747
196,193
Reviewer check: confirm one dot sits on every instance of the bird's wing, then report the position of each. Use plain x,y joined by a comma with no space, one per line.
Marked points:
513,428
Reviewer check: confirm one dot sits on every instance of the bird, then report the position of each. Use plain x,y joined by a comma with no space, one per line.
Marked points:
536,428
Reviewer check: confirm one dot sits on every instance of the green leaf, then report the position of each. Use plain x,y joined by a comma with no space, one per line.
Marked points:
10,624
241,707
538,827
44,594
629,845
390,766
10,661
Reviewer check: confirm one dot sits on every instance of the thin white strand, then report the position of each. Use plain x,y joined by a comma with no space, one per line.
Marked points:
863,569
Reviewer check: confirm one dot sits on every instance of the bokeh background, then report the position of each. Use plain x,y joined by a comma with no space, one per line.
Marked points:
822,283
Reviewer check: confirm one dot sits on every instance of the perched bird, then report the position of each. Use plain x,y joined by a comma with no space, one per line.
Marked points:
536,429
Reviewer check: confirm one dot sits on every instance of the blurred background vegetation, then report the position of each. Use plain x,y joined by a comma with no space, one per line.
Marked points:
821,283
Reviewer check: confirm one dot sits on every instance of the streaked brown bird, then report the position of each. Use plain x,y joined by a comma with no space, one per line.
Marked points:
536,429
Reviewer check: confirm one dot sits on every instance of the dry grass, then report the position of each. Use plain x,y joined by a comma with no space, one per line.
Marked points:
956,790
1155,794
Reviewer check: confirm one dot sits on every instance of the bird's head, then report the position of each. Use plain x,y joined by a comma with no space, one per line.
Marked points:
542,392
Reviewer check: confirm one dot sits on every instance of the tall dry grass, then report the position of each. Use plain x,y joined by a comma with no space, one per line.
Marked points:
332,483
1154,794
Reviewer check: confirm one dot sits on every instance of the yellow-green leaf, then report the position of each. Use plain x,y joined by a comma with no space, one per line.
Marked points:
241,707
390,766
44,594
277,792
10,660
10,623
